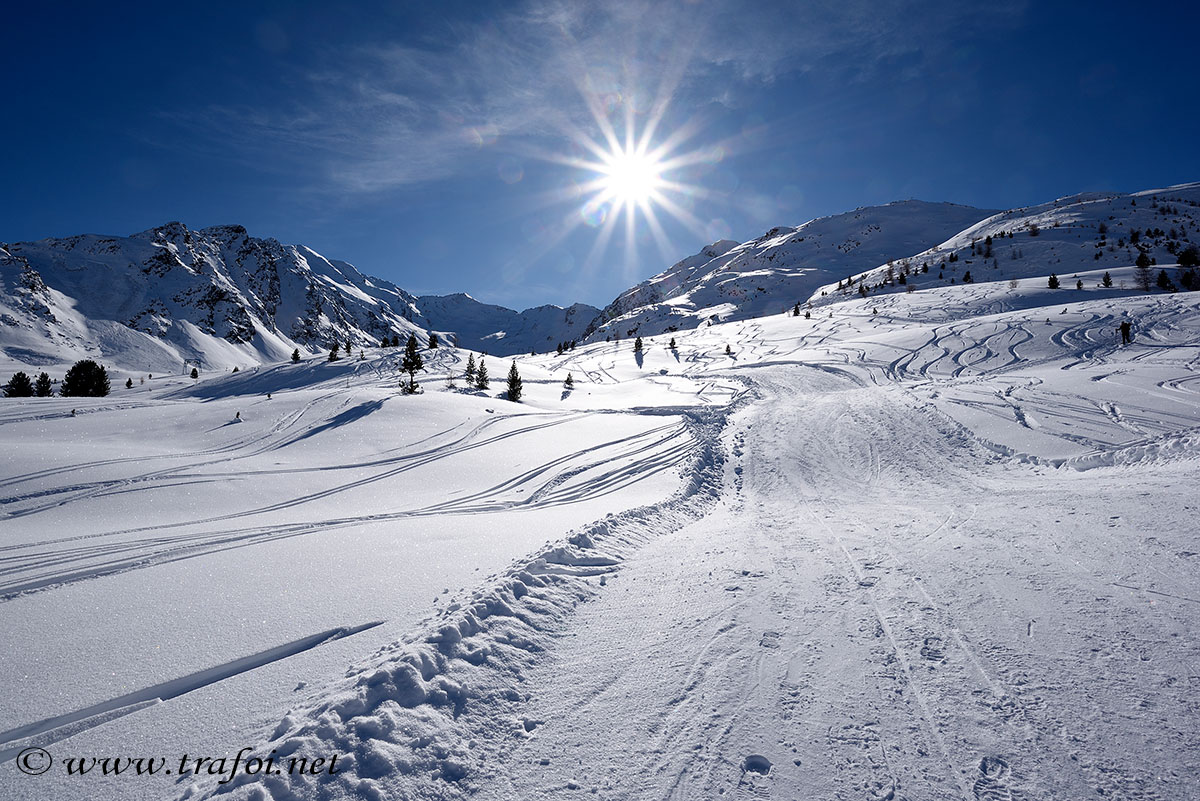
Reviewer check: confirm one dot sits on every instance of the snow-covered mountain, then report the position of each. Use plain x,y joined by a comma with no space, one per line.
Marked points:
730,281
1076,234
150,300
502,331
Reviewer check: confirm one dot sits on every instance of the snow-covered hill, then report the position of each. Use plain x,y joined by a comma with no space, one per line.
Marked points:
727,281
150,300
1066,237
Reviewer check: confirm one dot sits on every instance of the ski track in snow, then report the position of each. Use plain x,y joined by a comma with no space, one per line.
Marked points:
934,552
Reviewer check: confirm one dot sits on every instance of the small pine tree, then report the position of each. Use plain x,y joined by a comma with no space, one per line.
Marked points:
333,353
672,344
1053,282
235,369
433,340
1189,257
569,383
469,374
481,376
86,379
967,277
295,356
807,314
42,387
514,383
1164,281
1079,284
410,364
195,374
19,386
637,345
796,308
728,351
1106,280
1142,272
128,383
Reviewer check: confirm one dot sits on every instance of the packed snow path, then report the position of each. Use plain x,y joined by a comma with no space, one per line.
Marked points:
880,609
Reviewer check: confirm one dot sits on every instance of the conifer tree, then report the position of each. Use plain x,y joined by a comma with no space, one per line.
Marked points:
796,308
295,356
1053,281
469,375
86,379
1142,271
1106,280
569,383
128,383
637,345
195,374
433,340
514,383
19,386
672,344
410,364
481,375
333,353
42,387
1079,284
728,351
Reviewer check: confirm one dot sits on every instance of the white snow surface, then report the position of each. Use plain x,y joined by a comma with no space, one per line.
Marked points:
927,545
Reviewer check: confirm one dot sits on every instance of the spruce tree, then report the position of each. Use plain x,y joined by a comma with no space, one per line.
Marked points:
1142,271
469,375
671,344
433,340
19,386
481,376
796,308
1164,281
295,356
128,383
569,383
1053,282
86,379
1106,280
514,383
195,374
333,353
42,387
728,351
1079,284
410,364
637,345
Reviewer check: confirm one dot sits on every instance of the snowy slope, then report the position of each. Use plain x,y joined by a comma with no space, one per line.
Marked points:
932,545
148,301
1067,236
728,281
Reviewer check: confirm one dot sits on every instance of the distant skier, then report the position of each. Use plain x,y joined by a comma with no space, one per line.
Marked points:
1125,329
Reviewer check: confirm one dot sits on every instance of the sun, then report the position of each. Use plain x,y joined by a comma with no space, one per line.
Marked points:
631,178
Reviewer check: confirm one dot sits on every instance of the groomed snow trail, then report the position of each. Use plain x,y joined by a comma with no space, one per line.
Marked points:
879,608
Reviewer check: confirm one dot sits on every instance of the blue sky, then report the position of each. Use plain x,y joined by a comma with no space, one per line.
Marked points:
443,145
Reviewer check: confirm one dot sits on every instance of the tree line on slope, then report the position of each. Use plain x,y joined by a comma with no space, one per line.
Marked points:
85,379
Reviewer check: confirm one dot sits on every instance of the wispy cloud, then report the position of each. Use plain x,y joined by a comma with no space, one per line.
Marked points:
382,114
